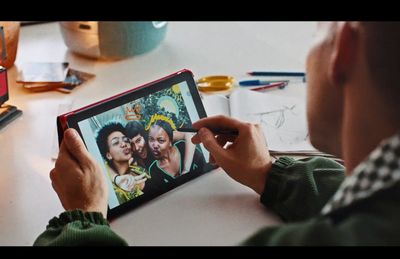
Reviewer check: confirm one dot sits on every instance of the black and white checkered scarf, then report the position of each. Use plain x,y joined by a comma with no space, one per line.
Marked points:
379,171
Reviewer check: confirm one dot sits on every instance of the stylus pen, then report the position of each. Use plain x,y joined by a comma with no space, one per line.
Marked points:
215,131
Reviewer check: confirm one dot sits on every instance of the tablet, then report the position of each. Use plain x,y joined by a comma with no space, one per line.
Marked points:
134,138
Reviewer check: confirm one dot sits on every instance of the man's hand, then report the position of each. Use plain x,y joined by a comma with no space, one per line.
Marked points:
77,178
246,159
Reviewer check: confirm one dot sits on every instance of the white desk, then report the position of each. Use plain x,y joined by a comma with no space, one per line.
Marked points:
211,210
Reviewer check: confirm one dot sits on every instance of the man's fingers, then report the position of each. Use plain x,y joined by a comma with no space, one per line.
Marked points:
75,146
55,188
218,122
53,178
65,158
62,149
211,159
223,139
52,174
196,139
210,143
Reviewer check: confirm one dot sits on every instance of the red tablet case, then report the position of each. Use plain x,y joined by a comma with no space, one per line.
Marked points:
62,119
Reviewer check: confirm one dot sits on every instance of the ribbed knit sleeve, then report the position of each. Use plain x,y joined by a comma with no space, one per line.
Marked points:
298,189
78,228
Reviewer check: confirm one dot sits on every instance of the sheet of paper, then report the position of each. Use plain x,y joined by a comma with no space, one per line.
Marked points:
216,105
282,118
42,72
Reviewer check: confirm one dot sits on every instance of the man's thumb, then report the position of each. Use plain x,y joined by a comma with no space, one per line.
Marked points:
75,145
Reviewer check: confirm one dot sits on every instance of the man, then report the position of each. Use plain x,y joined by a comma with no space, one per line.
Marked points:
352,113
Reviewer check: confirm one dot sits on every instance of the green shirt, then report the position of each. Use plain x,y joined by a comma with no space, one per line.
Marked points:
362,210
289,182
77,228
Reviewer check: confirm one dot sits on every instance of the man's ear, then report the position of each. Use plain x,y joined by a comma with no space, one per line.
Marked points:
344,53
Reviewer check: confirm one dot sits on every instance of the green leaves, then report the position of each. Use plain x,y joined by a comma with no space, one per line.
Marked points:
149,106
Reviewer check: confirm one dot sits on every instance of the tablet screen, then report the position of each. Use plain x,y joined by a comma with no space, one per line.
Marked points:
134,139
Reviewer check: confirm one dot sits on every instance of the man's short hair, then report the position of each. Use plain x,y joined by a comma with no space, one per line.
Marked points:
102,136
382,44
134,128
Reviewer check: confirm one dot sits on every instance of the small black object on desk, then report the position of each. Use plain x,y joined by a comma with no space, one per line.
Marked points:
7,112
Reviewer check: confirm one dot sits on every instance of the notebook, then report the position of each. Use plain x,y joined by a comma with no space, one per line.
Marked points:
282,118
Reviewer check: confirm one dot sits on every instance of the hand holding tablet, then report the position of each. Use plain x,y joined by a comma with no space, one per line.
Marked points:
133,136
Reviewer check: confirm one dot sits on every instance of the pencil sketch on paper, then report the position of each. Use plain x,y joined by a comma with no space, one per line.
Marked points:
278,115
283,119
278,125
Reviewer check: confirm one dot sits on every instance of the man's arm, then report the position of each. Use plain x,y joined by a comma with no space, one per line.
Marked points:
246,159
78,228
298,189
82,190
294,190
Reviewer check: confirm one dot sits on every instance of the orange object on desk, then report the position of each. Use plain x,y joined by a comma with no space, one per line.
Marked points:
215,83
9,35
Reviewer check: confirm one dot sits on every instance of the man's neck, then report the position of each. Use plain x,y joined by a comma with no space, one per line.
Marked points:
366,123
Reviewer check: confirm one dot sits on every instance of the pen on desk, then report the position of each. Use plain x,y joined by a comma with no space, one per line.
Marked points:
215,131
260,82
280,85
261,73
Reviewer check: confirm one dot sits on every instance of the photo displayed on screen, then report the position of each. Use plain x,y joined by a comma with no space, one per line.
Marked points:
138,146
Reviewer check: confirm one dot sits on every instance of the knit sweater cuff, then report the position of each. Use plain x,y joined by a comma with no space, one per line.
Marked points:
77,215
272,184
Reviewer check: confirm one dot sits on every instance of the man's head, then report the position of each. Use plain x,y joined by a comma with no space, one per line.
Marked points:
135,131
351,72
113,144
382,41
